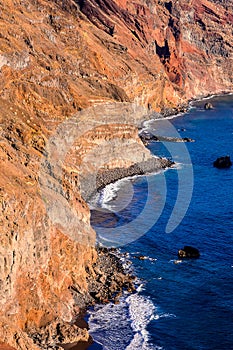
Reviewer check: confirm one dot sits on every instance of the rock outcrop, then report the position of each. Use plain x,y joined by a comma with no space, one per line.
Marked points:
57,57
47,243
148,137
223,162
208,106
86,66
188,252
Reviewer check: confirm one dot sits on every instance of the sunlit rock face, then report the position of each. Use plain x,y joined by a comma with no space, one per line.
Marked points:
59,56
104,64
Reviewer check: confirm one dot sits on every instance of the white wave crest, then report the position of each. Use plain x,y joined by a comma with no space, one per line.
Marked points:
123,326
141,312
164,315
116,196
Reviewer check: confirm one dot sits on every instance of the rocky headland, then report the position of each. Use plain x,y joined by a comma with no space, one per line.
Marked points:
77,79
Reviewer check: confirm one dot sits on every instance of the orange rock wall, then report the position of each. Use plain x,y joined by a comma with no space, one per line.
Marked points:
56,59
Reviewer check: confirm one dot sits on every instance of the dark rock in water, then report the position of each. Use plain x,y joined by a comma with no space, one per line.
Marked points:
147,136
208,106
223,162
188,252
188,139
140,257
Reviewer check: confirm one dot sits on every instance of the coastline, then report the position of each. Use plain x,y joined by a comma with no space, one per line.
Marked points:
75,89
111,278
184,108
111,289
106,283
105,178
152,165
169,117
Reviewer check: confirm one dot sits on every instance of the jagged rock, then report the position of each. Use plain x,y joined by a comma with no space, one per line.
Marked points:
110,279
58,332
208,106
188,139
188,252
60,57
140,257
222,162
146,136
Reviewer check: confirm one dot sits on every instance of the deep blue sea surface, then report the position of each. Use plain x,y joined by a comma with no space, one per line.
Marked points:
179,305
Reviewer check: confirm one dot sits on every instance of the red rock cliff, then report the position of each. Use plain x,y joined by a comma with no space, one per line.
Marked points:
56,58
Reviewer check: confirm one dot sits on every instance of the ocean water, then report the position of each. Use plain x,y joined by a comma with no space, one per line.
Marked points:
179,305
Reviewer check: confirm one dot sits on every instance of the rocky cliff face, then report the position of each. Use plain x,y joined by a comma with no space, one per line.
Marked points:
58,56
39,263
47,244
57,59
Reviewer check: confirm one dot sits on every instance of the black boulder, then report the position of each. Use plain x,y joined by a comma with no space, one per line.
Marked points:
223,162
188,252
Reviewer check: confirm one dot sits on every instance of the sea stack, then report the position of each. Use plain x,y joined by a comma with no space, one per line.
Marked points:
208,106
223,162
188,252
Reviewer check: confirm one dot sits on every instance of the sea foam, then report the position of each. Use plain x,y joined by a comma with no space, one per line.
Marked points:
123,326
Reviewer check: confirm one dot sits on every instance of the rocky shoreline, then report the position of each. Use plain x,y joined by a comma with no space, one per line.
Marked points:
108,279
92,70
106,176
154,164
147,137
105,283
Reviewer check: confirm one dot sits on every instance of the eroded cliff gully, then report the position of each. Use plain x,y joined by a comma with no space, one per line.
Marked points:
76,79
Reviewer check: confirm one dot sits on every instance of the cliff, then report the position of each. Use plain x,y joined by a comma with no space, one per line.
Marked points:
77,77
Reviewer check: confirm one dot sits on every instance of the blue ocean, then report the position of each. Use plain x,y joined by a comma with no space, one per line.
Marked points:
179,304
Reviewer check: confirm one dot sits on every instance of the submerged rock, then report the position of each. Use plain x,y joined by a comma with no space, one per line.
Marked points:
223,162
188,252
